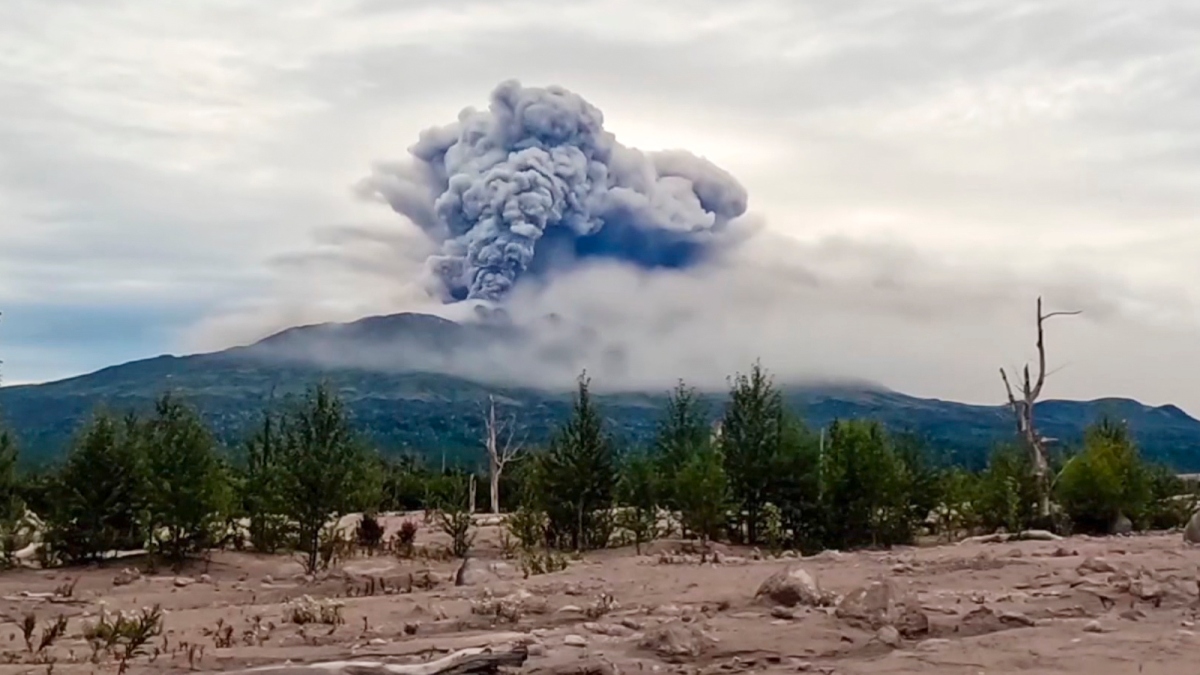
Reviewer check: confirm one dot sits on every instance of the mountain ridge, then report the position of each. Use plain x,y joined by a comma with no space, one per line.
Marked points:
405,407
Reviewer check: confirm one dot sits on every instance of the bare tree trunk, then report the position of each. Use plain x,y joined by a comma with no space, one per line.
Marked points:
1023,408
500,450
471,483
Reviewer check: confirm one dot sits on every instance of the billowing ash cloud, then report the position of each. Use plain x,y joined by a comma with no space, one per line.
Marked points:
535,184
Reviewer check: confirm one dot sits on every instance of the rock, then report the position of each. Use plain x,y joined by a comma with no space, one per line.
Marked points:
377,642
1062,552
205,579
1093,626
574,641
126,576
1191,533
932,644
1121,525
792,586
473,572
882,603
783,613
676,641
536,649
889,636
183,582
1098,565
609,629
1133,615
1016,619
268,579
913,621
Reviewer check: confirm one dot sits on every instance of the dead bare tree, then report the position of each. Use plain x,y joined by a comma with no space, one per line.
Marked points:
1022,407
502,448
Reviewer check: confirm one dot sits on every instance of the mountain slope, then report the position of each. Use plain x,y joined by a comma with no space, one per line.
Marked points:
401,408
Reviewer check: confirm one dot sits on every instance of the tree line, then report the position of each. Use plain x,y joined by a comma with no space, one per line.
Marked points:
759,477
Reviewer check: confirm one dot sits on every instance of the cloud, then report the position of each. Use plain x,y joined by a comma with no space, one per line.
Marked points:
931,167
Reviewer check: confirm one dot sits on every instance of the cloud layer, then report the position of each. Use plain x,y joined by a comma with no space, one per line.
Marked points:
922,171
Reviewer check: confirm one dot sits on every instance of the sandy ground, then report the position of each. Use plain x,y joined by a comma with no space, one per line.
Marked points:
1081,605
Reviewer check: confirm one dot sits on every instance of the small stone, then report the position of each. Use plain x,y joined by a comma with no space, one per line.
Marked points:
268,579
1133,615
932,644
377,642
1093,626
536,649
1016,619
205,579
783,613
181,582
126,577
889,636
574,641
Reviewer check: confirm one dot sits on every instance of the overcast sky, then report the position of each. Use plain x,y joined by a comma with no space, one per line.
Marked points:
179,175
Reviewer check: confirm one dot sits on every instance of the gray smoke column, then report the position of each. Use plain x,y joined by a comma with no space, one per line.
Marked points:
535,184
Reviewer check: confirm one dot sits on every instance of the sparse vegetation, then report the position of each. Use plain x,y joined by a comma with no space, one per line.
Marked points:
123,635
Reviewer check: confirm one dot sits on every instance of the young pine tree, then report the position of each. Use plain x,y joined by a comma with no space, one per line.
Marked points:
702,491
638,493
576,478
188,487
683,432
751,438
12,508
323,469
260,499
98,496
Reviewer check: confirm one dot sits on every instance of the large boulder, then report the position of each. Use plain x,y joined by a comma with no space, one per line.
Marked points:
1191,533
882,603
791,586
675,642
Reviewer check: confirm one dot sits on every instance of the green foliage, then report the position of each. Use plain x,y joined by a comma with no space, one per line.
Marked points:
1007,491
187,494
452,514
682,432
795,486
1172,501
576,478
867,488
261,498
772,528
99,495
12,507
528,526
638,492
956,510
752,439
702,493
1105,480
323,470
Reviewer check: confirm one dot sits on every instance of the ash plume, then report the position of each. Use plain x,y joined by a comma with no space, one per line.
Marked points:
535,184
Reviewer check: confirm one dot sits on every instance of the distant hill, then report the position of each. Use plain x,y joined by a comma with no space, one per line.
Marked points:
404,408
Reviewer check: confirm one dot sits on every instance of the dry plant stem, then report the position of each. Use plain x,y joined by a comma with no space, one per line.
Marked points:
1022,407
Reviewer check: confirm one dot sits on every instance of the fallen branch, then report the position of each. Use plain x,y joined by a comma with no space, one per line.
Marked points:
1002,537
476,661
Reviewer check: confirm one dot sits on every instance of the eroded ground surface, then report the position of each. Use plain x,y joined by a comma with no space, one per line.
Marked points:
1080,605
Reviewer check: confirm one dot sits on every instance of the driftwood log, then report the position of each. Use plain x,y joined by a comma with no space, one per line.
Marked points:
476,661
1001,537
